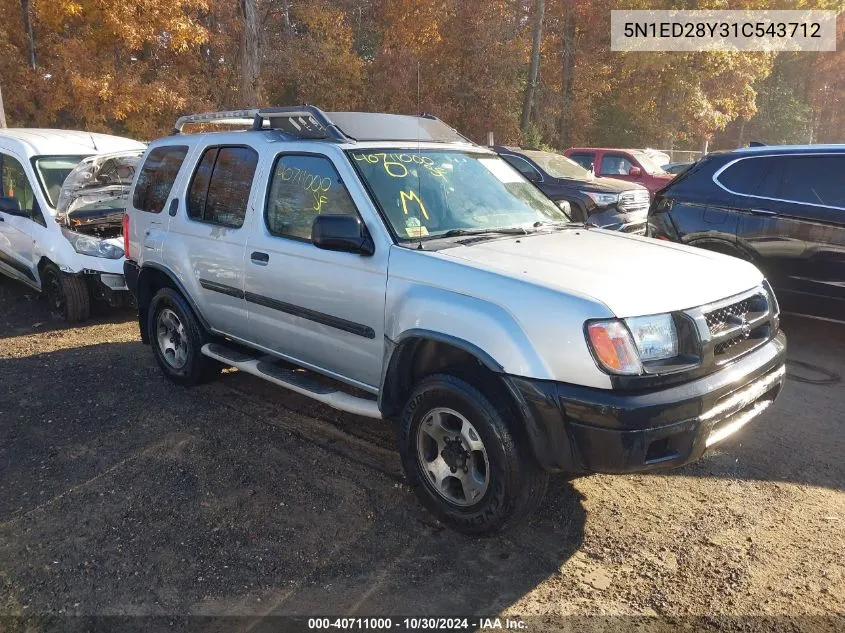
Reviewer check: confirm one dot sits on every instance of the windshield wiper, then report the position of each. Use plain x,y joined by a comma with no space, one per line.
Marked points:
516,230
559,224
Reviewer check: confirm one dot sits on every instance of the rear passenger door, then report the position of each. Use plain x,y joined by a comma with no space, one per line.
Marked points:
319,308
206,243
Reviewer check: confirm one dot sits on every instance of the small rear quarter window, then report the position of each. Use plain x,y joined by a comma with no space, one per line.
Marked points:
157,177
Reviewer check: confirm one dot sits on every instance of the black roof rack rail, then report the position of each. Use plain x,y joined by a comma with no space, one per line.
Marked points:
305,121
310,122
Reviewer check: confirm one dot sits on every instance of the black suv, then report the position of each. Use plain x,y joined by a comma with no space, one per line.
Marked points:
781,208
604,202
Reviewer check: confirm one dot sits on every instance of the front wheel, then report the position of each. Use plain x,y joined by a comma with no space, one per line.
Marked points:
464,458
66,294
177,337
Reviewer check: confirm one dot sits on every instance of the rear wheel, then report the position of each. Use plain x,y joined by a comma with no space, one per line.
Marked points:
463,458
177,337
67,294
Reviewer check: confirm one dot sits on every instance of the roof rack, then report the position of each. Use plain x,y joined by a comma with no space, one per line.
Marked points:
310,122
305,121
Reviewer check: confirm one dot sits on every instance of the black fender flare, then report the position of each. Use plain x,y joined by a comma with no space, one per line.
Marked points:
144,297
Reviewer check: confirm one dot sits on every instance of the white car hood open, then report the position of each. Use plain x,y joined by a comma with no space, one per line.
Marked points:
631,275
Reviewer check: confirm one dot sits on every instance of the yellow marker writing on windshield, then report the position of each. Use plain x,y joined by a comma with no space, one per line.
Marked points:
413,197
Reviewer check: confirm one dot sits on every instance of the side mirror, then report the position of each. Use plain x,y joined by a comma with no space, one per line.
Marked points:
341,233
636,172
11,206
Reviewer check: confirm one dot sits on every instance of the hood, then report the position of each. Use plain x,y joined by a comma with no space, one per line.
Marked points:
600,184
631,275
93,197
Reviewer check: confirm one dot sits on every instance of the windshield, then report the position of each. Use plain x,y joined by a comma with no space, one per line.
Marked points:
558,166
427,193
52,171
648,163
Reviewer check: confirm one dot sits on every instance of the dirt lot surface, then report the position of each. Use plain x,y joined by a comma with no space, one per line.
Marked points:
123,494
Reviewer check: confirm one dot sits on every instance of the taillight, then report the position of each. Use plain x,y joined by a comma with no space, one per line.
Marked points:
126,235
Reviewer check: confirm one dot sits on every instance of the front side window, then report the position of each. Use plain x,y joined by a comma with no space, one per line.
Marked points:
157,177
428,193
219,190
52,172
615,165
303,187
15,184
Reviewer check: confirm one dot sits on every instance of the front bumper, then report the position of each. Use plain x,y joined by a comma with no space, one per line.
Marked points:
580,429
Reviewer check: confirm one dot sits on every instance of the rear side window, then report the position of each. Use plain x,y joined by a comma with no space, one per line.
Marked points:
219,191
303,187
754,177
587,161
157,177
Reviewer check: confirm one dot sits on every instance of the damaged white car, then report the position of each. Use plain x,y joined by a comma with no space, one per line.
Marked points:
62,197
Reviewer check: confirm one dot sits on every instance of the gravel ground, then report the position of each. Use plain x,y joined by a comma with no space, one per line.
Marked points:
123,494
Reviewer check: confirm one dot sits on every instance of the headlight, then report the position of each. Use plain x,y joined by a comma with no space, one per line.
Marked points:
621,346
654,336
88,245
602,199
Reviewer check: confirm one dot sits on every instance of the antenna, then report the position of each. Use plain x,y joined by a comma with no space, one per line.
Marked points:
419,171
93,142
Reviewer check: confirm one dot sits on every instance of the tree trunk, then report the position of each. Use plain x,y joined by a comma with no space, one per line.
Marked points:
2,112
250,54
534,68
568,56
30,36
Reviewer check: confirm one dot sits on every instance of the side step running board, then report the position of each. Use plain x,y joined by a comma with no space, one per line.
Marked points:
265,368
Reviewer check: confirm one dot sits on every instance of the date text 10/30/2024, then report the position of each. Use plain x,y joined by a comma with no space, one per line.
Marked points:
417,624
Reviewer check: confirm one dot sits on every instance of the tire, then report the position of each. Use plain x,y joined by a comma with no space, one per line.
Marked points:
67,294
489,490
177,337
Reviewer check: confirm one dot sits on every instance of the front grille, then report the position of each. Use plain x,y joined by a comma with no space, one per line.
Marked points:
740,326
637,228
634,201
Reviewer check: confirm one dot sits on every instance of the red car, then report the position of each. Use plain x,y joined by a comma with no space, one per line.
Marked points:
632,165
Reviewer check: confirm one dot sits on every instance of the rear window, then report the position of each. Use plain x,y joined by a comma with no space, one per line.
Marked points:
157,177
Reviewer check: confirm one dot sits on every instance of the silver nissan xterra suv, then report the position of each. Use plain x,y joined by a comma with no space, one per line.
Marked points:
386,266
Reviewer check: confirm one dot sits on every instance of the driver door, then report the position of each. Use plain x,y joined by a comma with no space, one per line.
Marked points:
18,232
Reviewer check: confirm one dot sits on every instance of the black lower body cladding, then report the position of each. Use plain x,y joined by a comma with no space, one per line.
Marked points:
580,429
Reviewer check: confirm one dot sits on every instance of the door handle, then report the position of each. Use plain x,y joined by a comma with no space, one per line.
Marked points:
259,258
762,212
174,207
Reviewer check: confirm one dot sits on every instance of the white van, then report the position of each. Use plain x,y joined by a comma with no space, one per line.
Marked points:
69,260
